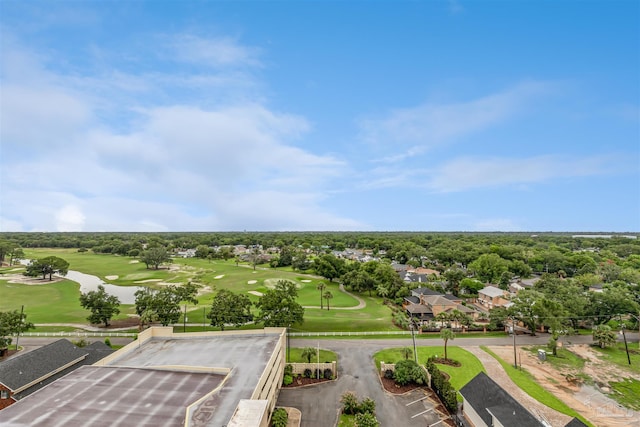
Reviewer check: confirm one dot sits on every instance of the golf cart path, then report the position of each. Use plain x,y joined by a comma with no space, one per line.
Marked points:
361,303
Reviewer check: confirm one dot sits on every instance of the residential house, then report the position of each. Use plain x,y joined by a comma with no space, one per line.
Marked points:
26,373
486,404
425,304
491,297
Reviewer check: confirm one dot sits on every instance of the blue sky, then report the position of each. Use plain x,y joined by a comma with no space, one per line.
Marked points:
319,115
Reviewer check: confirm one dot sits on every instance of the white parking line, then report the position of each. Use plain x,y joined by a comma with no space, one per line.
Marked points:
422,413
416,401
436,423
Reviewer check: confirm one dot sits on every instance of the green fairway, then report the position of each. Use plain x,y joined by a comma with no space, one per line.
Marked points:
48,303
470,365
211,275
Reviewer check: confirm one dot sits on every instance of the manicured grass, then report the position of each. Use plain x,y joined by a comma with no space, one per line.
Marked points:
48,303
374,317
295,356
470,365
528,384
564,358
617,354
347,420
627,393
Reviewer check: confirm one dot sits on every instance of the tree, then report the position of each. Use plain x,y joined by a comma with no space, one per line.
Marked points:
407,352
446,335
15,254
408,371
454,276
228,308
471,286
12,323
329,266
202,251
278,307
489,267
47,266
604,336
321,287
308,353
328,295
155,257
102,305
534,309
610,303
164,305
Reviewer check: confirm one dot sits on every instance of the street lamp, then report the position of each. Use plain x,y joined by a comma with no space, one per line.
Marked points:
415,351
513,331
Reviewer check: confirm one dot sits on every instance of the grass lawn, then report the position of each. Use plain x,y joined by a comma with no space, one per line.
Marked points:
49,303
627,392
617,354
526,382
564,358
470,365
295,356
374,317
347,420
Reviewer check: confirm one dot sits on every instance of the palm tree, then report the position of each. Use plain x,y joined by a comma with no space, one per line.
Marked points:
308,353
321,287
328,295
407,352
446,335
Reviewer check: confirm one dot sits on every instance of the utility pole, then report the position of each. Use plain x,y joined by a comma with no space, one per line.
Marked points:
184,323
513,330
19,327
624,337
415,350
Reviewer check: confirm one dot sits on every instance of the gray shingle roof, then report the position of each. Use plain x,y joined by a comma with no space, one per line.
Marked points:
29,367
487,398
575,423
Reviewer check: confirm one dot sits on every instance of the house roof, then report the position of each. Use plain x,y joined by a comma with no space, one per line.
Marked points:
412,299
451,297
575,422
438,300
94,352
29,367
492,291
487,398
424,291
418,309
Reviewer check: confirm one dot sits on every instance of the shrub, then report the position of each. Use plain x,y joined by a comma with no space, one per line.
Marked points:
279,418
81,342
367,406
317,373
388,374
408,371
349,402
287,380
366,420
288,369
328,374
107,341
307,373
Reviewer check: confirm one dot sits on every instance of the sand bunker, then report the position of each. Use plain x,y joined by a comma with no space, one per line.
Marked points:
135,261
305,281
113,277
219,277
256,293
271,283
148,280
252,282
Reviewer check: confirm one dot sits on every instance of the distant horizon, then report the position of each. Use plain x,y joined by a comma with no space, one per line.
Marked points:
581,234
444,115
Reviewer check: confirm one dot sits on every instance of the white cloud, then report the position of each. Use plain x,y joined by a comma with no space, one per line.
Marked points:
469,173
171,167
430,124
70,218
212,52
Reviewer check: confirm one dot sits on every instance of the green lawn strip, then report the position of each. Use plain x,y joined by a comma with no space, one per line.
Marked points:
347,420
618,355
295,355
374,317
528,384
627,392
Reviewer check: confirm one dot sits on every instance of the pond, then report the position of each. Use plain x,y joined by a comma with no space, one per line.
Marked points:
89,283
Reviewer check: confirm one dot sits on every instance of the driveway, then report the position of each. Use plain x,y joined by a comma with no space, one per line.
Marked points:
320,404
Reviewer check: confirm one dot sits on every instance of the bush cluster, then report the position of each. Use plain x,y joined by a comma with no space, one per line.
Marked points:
408,371
351,405
279,418
442,387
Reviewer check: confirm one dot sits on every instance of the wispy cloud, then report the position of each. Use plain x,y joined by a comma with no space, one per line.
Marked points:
471,173
212,51
430,124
